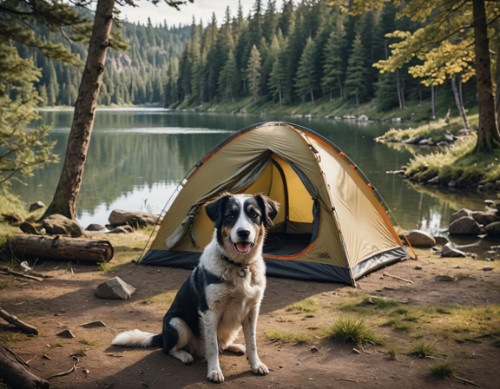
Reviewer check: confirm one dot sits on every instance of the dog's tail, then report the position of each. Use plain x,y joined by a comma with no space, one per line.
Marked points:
137,338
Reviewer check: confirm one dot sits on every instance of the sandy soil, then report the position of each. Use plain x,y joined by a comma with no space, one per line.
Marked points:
66,300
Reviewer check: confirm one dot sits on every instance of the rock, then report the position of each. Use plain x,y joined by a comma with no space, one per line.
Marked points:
441,240
452,184
450,252
12,218
449,137
444,278
95,227
314,349
418,267
484,218
465,225
489,203
419,238
493,229
433,181
412,141
93,324
122,230
36,206
396,120
425,142
66,334
487,268
120,217
442,143
61,225
114,289
362,118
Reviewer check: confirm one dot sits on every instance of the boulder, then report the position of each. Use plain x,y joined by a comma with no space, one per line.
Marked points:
460,213
120,217
493,229
489,203
362,118
484,218
61,225
450,252
36,206
419,238
465,225
95,227
114,289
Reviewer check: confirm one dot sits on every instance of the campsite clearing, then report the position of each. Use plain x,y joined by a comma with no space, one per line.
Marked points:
454,322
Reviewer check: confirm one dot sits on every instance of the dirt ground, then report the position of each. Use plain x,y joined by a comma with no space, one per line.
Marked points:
66,300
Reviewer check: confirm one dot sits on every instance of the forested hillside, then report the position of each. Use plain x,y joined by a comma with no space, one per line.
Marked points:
297,52
134,76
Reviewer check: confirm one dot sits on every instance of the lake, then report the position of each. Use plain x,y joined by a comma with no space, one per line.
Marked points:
137,156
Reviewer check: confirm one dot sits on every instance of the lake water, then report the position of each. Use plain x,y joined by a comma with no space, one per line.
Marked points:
138,156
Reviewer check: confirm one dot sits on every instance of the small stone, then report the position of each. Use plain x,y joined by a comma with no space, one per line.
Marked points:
45,356
460,213
114,288
314,349
489,203
444,278
86,371
66,334
36,206
487,268
450,252
441,240
418,238
121,230
95,227
418,267
93,324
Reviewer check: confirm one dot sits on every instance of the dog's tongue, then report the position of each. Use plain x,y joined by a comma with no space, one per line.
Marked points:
243,247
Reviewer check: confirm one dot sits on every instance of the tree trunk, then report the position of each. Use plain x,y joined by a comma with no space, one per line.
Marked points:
398,88
62,249
312,96
14,374
497,74
433,102
64,201
458,102
488,137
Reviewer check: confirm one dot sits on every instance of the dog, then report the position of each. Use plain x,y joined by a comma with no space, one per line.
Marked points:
223,293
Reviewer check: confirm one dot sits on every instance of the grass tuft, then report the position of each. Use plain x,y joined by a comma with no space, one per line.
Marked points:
289,337
443,370
350,329
91,343
422,349
306,305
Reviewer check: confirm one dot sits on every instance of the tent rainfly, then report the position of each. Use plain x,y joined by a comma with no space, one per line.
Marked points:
331,226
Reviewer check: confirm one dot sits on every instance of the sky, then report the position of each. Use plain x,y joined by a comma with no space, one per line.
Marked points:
199,9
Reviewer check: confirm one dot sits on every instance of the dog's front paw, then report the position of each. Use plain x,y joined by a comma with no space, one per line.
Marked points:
260,369
215,376
236,348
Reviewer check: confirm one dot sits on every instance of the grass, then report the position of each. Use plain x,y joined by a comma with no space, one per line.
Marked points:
351,329
90,343
422,349
164,300
306,305
443,370
289,337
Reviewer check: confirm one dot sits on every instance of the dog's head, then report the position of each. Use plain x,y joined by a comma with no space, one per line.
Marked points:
241,220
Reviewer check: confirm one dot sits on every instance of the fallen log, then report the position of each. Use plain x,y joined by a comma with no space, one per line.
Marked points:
14,374
12,319
61,248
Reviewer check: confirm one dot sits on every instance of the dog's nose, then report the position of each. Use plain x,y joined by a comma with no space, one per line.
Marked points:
243,234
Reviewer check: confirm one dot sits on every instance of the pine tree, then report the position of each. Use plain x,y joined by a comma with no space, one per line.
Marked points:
277,79
306,79
228,80
333,78
253,73
356,82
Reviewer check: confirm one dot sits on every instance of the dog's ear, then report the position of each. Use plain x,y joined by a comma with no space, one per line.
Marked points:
214,209
269,208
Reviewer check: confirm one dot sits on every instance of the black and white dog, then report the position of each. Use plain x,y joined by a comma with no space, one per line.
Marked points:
223,293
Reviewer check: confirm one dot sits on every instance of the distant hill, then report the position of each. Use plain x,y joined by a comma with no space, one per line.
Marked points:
136,76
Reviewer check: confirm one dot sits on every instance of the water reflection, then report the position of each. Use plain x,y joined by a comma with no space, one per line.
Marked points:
138,156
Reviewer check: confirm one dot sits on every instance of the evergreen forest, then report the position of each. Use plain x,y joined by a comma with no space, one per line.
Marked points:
131,77
297,52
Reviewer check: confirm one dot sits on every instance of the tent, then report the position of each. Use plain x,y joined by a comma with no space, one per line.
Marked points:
332,225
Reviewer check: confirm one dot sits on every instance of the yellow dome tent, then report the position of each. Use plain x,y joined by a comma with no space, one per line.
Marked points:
331,226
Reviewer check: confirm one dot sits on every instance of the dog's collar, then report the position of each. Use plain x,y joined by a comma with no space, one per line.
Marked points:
244,268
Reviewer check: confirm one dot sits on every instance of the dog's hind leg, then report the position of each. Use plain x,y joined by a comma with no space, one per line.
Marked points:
178,336
236,348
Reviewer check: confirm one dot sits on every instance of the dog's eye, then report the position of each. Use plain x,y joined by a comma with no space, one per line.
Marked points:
230,215
253,214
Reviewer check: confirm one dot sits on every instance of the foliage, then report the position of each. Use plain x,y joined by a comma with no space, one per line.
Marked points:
350,329
422,349
443,369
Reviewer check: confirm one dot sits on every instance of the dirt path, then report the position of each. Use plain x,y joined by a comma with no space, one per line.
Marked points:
466,336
